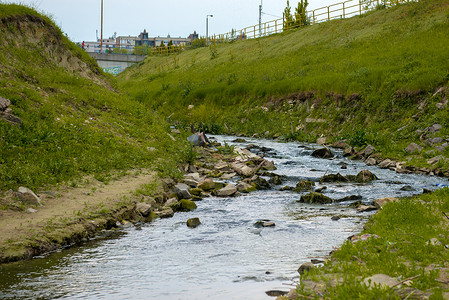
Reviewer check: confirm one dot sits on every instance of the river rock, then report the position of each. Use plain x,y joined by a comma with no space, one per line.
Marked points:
28,196
207,185
193,222
379,203
171,202
264,223
245,154
349,151
276,293
276,180
413,147
341,144
323,153
143,208
228,175
381,280
182,191
244,187
321,141
166,212
304,185
387,163
366,208
305,267
227,191
314,197
371,161
434,160
192,179
186,205
334,178
363,177
242,169
31,210
268,165
222,166
368,151
4,104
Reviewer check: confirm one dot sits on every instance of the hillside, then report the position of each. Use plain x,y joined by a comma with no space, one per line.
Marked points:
378,79
73,121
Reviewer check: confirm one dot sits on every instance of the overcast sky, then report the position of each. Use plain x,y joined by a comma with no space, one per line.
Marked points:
80,19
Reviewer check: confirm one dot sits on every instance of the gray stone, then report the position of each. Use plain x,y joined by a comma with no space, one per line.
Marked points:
368,151
171,202
435,128
348,151
321,141
434,242
227,191
244,187
193,179
371,161
31,210
435,141
207,185
434,160
381,280
387,163
442,147
413,147
193,222
28,196
305,267
323,153
242,169
182,191
341,144
366,208
222,166
379,203
143,208
228,175
4,104
166,212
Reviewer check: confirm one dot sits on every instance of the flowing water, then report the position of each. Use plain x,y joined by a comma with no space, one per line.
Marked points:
226,257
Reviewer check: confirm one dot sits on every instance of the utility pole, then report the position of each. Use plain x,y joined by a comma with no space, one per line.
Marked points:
260,18
101,42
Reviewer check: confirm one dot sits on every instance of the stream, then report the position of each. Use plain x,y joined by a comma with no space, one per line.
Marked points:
226,257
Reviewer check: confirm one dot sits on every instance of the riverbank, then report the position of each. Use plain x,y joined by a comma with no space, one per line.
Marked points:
402,253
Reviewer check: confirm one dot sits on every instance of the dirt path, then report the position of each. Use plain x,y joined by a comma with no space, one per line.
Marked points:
65,205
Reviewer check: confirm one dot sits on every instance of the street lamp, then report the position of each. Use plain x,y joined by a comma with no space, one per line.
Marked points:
101,42
207,28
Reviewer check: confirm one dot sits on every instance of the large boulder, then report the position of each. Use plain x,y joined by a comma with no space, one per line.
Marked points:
166,212
258,182
314,197
365,176
28,196
227,191
305,267
182,191
323,153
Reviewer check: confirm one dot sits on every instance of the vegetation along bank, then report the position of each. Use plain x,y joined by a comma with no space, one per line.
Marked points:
377,84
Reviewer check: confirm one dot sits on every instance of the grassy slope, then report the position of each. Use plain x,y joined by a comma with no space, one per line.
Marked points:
367,76
74,121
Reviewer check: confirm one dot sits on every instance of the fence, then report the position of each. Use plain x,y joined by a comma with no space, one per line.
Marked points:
339,10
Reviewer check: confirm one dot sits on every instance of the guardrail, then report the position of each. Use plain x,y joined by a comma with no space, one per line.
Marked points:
339,10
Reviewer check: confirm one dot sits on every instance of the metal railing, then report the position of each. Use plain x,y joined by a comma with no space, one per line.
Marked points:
339,10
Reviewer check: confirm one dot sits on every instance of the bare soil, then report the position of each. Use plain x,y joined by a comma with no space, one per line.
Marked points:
66,210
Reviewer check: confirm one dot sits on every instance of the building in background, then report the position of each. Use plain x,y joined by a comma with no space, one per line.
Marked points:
127,44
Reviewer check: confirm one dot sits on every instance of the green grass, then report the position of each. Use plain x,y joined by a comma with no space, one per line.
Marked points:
377,72
75,122
401,250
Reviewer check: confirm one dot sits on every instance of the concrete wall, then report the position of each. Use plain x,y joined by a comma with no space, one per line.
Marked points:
116,63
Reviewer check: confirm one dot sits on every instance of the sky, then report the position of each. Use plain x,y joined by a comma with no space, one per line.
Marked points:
80,19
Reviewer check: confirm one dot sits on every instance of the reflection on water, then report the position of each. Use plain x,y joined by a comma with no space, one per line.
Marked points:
226,257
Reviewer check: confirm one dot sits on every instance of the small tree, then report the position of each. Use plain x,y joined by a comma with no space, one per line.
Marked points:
301,14
288,18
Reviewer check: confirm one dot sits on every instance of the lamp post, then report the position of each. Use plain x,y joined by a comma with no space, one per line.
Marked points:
101,42
207,28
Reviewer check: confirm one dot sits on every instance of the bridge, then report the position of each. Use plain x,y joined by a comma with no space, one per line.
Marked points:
116,63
